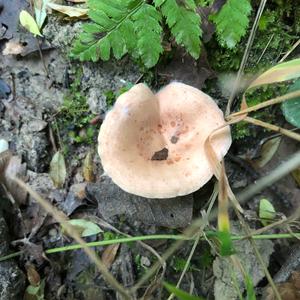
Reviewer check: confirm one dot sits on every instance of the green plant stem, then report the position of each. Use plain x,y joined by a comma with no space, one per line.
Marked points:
209,234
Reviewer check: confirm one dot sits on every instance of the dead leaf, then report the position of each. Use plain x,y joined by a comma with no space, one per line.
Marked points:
88,168
83,227
40,12
109,255
32,275
58,172
71,11
12,48
289,290
267,151
15,168
296,175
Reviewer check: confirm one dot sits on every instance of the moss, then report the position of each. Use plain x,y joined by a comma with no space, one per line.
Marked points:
278,29
74,118
112,96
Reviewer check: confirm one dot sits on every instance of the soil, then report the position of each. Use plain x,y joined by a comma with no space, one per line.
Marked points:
33,91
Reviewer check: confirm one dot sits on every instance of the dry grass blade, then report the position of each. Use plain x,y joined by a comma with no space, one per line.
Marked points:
215,163
62,219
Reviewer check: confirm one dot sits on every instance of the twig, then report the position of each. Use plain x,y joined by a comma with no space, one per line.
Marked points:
262,54
42,57
245,56
290,51
275,128
267,103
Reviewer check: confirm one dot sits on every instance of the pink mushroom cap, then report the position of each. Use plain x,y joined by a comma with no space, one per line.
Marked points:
152,145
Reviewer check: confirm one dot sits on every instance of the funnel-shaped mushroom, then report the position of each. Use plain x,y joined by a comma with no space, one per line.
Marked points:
153,145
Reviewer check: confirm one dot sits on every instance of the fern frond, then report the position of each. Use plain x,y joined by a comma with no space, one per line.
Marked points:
232,22
148,31
184,23
121,27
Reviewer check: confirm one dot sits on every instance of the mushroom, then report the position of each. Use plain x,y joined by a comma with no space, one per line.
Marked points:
152,145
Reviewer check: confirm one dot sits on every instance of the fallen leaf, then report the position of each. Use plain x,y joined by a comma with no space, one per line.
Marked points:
12,48
289,290
266,211
35,292
109,254
88,168
70,11
15,168
32,275
296,175
40,11
267,151
58,172
29,23
85,228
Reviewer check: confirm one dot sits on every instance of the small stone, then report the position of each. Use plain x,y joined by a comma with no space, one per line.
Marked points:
37,125
3,145
145,261
53,232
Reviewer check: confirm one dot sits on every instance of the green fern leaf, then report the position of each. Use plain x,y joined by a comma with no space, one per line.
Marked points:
120,27
232,22
184,23
149,34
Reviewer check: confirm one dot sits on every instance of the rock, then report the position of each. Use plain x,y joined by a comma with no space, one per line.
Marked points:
112,201
102,77
223,268
34,148
4,89
3,145
41,183
37,125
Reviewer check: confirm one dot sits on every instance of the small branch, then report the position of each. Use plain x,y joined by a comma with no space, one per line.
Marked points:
267,103
275,128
